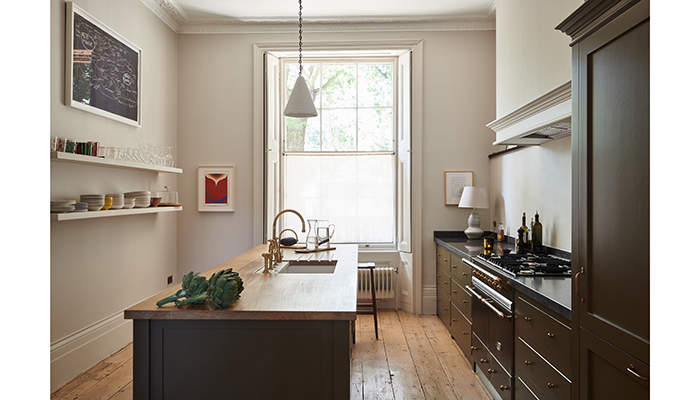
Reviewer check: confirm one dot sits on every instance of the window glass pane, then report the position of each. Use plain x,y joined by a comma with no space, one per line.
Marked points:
354,192
338,88
375,129
339,130
375,85
303,134
312,75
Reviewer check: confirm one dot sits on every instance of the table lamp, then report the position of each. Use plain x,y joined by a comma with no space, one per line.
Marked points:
474,197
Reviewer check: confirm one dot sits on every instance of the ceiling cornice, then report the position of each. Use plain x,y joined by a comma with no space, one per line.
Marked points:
179,22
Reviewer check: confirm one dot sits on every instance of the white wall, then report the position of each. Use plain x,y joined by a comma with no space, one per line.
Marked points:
532,59
215,125
101,266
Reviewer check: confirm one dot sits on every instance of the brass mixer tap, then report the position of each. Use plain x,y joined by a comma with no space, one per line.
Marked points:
274,247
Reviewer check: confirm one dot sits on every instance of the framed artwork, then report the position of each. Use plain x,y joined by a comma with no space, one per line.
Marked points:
103,69
217,188
455,181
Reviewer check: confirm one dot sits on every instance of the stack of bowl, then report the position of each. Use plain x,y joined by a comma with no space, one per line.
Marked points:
142,198
129,202
81,207
62,206
117,200
95,201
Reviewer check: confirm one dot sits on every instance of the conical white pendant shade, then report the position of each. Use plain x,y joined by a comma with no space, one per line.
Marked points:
300,104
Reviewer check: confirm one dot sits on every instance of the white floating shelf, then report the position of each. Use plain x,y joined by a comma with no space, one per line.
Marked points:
111,213
108,162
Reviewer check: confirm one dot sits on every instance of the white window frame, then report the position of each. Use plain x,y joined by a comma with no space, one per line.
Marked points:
293,61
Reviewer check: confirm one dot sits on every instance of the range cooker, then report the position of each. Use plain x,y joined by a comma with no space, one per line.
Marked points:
492,309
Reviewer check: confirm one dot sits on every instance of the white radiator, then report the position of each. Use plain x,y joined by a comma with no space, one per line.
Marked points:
384,281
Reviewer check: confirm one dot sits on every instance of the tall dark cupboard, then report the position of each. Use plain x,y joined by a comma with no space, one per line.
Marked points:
610,156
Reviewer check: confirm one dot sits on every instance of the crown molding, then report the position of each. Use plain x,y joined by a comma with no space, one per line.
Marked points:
179,22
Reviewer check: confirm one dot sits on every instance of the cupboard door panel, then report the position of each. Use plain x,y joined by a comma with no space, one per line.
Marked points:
612,231
609,373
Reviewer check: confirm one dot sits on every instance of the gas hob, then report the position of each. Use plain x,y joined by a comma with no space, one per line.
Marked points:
529,264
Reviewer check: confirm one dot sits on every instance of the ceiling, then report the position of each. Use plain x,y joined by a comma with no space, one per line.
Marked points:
201,16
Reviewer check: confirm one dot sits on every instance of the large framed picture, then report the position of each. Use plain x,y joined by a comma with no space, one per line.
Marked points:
455,181
217,187
103,69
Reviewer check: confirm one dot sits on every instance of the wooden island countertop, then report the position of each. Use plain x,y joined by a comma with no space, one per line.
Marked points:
272,296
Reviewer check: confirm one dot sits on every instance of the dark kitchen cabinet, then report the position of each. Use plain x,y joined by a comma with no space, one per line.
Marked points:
610,166
542,352
454,304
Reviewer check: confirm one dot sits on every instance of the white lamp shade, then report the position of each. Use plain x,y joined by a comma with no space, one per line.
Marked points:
474,197
300,104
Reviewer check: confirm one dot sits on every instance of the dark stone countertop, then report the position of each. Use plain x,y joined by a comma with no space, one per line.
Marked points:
551,292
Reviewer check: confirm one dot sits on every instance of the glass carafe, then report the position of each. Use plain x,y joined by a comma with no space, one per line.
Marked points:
311,238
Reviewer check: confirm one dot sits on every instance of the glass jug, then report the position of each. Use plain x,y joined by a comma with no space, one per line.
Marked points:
324,232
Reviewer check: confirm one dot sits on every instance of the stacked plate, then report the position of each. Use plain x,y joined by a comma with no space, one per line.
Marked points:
95,201
62,206
142,199
117,200
81,207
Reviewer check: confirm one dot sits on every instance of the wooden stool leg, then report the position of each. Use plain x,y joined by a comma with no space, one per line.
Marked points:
374,303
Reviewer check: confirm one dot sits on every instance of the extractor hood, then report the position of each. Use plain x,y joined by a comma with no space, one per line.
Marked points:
546,118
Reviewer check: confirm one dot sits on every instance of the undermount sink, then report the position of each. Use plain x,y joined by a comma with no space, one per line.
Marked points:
304,267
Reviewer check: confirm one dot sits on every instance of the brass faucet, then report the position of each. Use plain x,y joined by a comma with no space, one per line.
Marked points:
275,249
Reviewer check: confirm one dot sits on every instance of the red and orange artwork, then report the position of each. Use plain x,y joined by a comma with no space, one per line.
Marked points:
216,188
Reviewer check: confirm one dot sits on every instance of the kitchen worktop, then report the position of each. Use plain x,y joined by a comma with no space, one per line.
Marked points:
552,292
272,296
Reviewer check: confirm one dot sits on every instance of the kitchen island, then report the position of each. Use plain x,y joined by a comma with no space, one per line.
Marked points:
288,336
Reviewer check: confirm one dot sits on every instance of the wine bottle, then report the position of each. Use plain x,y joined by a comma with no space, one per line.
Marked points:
537,234
526,238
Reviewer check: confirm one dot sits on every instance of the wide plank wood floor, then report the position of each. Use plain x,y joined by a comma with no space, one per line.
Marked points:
414,358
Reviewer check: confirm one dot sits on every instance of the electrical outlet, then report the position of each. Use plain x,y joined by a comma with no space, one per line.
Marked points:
170,279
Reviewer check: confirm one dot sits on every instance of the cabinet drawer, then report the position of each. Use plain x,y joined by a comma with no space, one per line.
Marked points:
443,307
443,259
480,355
460,271
461,298
552,336
501,380
522,391
461,330
442,281
547,380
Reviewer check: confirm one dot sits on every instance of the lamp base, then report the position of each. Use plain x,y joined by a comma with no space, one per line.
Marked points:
474,230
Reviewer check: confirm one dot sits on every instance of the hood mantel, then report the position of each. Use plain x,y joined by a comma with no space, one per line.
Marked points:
546,118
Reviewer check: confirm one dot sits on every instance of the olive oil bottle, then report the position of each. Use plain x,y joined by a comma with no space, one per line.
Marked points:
526,233
537,234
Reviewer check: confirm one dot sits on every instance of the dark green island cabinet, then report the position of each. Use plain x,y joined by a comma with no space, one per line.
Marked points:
454,303
287,337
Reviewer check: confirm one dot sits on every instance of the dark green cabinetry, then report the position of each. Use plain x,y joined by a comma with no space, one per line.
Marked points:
454,303
610,165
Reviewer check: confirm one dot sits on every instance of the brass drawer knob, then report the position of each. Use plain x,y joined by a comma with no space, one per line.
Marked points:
490,371
528,319
504,388
464,301
454,291
483,361
528,363
473,348
550,385
550,335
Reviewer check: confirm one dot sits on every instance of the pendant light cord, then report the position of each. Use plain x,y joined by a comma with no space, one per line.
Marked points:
300,67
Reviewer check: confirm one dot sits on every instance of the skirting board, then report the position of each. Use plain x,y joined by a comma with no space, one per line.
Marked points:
430,299
75,353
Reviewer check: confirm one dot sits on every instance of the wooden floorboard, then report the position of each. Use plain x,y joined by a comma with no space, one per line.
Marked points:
414,358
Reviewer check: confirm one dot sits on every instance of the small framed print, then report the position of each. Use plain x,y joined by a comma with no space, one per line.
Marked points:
217,188
455,181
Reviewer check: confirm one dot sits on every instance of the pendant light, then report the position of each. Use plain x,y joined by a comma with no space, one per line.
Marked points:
300,104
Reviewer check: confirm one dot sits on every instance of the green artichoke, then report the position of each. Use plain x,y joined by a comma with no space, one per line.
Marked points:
225,287
193,286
